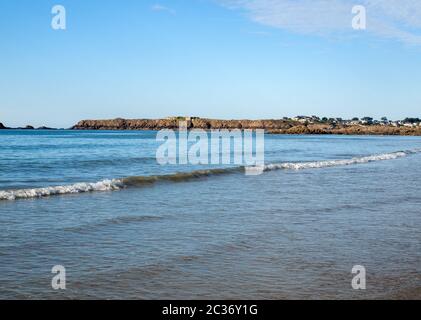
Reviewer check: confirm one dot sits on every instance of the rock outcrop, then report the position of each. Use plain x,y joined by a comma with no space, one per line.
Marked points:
45,128
2,126
197,123
270,126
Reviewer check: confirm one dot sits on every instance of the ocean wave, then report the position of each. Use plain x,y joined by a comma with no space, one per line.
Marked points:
178,177
105,185
112,222
335,163
117,184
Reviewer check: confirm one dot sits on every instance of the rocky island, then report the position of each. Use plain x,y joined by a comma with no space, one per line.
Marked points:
297,125
28,127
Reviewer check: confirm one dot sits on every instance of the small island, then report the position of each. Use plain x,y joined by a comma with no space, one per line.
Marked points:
28,127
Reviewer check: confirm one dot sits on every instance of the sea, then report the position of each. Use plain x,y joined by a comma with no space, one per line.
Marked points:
123,226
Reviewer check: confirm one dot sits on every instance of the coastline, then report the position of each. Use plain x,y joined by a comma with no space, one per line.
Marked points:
270,126
28,127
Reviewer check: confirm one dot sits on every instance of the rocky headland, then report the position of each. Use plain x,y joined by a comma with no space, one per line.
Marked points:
283,126
173,123
274,126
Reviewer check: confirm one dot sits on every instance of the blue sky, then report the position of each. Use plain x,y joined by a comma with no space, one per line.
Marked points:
208,58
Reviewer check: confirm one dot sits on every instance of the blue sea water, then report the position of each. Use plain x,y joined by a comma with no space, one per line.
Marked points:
323,205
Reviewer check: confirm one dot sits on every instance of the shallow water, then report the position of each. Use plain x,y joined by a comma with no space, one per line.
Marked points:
287,233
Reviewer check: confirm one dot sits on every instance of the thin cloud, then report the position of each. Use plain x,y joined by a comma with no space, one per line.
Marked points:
392,19
159,7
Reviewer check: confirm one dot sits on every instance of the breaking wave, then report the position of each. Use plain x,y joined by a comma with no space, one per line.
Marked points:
105,185
336,163
117,184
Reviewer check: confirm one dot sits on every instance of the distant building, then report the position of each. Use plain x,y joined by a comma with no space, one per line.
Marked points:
182,118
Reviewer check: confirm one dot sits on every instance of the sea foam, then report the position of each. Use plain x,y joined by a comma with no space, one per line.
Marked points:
117,184
334,163
105,185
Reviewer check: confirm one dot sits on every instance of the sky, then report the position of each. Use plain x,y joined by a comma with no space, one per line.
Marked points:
227,59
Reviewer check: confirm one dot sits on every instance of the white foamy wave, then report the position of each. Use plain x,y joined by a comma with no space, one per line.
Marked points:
335,163
105,185
117,184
